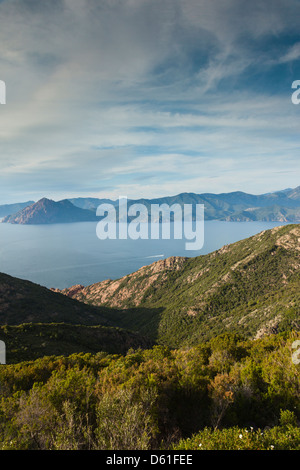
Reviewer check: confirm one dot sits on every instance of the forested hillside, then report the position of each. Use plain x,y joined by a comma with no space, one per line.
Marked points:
251,286
184,354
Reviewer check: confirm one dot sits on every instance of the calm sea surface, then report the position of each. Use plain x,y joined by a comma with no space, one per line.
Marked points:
62,255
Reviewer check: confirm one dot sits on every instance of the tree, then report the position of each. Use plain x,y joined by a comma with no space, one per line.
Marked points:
222,395
123,423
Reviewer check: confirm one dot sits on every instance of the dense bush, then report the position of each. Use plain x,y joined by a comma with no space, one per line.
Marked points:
228,393
276,438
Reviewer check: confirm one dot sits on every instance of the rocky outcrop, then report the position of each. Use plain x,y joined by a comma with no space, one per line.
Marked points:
131,288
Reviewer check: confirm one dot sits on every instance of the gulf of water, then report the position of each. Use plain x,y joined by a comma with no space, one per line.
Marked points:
62,255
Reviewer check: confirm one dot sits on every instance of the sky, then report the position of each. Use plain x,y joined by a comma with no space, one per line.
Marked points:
148,98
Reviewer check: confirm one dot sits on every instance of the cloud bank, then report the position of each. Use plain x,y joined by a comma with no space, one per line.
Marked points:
148,98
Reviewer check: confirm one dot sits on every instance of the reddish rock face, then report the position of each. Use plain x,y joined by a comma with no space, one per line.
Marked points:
131,287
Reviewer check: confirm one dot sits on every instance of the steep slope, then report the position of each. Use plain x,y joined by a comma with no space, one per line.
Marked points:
8,209
252,286
294,194
130,290
46,211
24,302
35,321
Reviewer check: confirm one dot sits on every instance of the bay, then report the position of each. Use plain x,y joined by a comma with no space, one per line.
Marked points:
62,255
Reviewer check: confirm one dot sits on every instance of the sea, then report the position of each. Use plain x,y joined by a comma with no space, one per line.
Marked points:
62,255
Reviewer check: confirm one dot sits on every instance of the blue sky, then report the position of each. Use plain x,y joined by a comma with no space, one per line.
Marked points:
148,98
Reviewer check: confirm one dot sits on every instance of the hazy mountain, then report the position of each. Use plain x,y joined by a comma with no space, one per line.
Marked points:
283,206
8,209
46,211
90,203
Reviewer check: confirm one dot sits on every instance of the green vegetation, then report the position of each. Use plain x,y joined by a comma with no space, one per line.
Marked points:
228,393
235,438
23,301
250,287
33,340
221,374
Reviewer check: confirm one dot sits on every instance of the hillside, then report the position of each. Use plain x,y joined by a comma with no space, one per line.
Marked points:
34,321
98,387
23,301
251,286
46,211
31,341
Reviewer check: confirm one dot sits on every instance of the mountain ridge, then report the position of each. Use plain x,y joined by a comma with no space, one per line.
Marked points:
251,285
8,209
282,206
46,211
34,322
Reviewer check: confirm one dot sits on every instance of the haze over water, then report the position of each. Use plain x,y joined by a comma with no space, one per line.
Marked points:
62,255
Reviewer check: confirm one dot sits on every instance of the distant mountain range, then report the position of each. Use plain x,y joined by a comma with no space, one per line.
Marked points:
282,206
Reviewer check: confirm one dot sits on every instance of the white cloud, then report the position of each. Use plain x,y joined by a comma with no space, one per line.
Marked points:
292,54
110,91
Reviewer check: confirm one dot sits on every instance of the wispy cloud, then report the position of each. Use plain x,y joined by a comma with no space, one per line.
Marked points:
292,54
179,94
